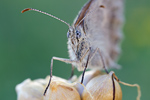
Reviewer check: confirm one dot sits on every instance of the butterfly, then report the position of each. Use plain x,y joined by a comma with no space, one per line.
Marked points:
94,37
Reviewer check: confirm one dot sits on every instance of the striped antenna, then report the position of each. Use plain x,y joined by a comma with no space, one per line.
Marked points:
27,9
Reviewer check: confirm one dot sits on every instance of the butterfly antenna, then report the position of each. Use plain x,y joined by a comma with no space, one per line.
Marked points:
27,9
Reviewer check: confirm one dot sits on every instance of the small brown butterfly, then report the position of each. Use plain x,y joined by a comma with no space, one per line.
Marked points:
93,38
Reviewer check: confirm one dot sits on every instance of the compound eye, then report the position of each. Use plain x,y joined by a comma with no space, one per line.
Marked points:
78,34
68,34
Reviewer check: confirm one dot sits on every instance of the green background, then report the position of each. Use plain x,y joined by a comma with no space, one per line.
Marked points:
28,41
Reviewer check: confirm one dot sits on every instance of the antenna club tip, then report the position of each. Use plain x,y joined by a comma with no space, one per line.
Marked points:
27,9
102,6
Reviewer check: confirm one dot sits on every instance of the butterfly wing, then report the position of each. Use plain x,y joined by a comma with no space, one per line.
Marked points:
82,13
102,24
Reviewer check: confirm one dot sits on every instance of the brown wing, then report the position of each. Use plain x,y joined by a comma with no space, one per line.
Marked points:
82,13
103,26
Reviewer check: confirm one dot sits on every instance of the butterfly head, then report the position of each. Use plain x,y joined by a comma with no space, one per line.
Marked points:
75,35
77,43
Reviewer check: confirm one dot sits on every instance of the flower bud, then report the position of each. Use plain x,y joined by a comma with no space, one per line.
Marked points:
31,90
103,87
87,77
61,89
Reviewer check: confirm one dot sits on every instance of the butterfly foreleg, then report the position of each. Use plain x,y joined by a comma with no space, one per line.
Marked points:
51,68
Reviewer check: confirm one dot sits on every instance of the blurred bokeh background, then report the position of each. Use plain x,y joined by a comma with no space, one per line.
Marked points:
28,41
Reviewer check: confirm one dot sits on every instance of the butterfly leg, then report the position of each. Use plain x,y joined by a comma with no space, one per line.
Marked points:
90,56
72,72
103,61
51,68
66,61
101,56
85,69
89,50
